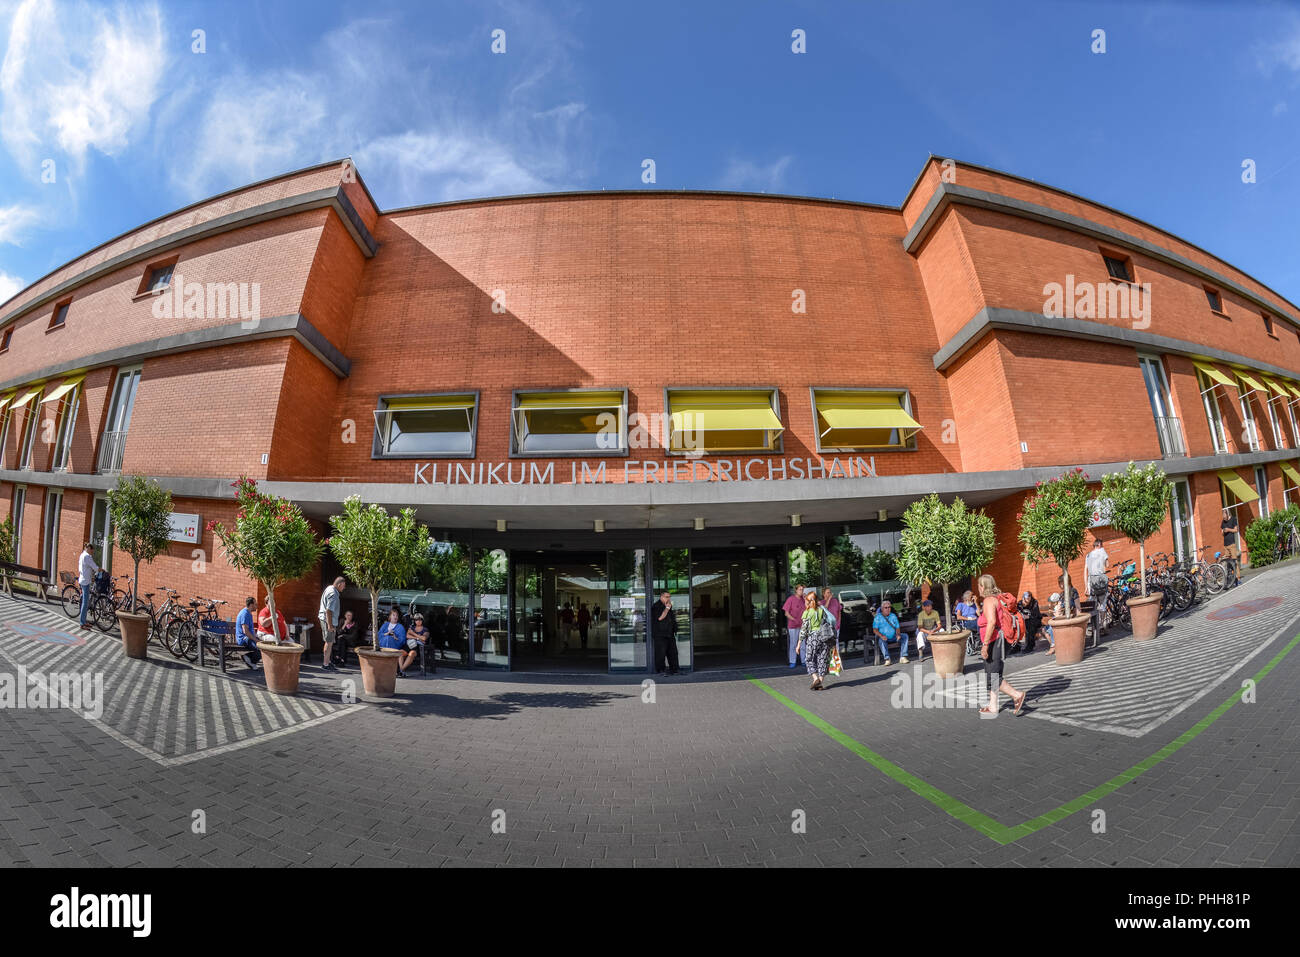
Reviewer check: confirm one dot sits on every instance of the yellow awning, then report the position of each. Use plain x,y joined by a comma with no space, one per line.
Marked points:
1251,381
531,401
1277,388
27,398
1214,374
5,400
1292,386
1238,486
864,410
67,386
429,403
1290,471
723,412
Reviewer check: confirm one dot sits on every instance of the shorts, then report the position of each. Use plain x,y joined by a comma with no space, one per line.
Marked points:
1232,551
327,633
412,643
993,666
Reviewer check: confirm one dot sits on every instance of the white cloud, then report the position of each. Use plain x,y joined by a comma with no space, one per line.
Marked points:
1279,108
14,220
1283,53
77,77
747,174
9,286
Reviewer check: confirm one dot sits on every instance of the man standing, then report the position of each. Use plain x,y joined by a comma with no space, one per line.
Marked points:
663,627
1095,565
328,614
86,569
1229,527
794,608
886,628
246,634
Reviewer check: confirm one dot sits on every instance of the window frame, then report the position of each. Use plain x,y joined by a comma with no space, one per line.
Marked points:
1210,400
136,375
16,508
1212,296
69,406
379,441
1247,413
146,281
59,318
1269,326
50,529
909,446
774,394
29,430
1261,471
623,451
6,338
1130,270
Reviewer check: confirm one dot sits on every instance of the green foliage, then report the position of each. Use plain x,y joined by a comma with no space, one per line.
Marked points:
7,540
271,541
378,550
843,561
879,566
942,544
141,510
1055,523
1139,501
1263,535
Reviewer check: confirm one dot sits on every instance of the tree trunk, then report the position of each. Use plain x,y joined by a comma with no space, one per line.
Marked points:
135,589
374,619
270,606
1142,567
947,605
1065,590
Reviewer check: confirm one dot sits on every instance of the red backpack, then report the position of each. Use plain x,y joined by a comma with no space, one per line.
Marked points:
1011,623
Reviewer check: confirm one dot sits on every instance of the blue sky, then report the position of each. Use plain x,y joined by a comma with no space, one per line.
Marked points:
137,124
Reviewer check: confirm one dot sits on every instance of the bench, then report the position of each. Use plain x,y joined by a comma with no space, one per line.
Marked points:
12,570
217,637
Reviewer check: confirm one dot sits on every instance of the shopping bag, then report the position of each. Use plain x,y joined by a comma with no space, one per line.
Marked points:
836,665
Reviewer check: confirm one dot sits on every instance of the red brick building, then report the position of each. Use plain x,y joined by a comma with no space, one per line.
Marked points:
590,396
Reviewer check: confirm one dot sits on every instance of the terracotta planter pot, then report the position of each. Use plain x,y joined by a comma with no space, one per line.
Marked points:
378,671
949,651
135,634
280,665
1146,616
1069,634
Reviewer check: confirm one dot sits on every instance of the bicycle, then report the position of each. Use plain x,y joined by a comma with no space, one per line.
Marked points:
182,635
105,606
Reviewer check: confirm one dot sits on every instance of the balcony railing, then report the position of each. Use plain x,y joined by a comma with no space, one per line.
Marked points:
111,447
1170,431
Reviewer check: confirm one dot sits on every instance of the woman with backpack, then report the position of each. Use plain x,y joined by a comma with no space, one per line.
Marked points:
995,620
816,638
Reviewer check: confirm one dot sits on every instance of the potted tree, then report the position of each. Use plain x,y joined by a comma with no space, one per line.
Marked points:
1053,526
1139,502
943,544
272,543
378,551
141,511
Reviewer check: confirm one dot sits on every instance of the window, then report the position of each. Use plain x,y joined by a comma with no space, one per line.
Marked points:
850,419
426,425
1246,385
60,314
1275,420
1215,300
5,416
4,340
159,278
1268,324
1290,481
723,420
68,395
101,533
1168,428
112,445
1180,514
29,425
1119,267
1261,488
20,500
581,422
1235,491
50,537
1208,379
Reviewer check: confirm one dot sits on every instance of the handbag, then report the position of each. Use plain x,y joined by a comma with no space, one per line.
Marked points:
837,666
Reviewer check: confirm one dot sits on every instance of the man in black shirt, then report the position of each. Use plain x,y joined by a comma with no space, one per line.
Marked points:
663,627
1229,527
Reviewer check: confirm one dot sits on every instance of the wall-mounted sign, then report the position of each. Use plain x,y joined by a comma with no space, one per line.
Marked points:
649,471
184,528
1098,512
627,603
489,601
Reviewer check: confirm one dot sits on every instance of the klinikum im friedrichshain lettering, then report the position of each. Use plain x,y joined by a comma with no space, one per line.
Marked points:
643,471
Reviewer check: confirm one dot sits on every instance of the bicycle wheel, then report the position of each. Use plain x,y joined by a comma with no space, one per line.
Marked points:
186,640
71,601
105,611
171,636
1216,578
1184,593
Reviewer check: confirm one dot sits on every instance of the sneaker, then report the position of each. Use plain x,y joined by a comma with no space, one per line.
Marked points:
887,662
903,659
792,665
329,667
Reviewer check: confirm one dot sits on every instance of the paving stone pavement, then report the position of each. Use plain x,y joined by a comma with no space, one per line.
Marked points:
713,771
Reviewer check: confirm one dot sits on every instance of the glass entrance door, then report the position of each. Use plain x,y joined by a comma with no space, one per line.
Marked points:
560,611
1180,513
735,601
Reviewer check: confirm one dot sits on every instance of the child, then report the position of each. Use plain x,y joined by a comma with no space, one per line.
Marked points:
1058,609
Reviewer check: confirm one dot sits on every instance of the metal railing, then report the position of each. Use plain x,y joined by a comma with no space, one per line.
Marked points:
111,447
1170,430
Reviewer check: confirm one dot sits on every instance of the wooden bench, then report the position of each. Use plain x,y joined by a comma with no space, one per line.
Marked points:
34,576
217,637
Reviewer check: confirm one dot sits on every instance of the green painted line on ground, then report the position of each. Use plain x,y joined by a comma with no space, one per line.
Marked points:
994,830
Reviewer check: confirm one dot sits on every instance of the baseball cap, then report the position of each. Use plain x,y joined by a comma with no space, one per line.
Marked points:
1054,596
927,604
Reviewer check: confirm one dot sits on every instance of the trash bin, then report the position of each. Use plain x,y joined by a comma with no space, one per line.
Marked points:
301,632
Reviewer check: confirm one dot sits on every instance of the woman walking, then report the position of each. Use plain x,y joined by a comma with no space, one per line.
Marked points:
993,648
816,637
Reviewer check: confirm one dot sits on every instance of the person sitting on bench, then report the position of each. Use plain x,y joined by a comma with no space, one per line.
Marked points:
416,636
264,625
347,636
246,635
392,636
